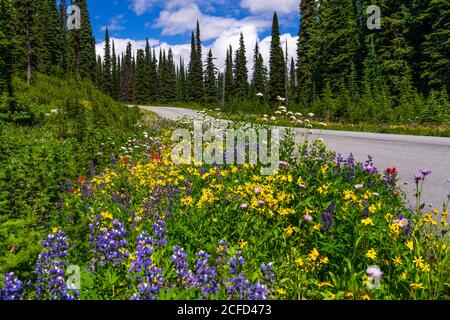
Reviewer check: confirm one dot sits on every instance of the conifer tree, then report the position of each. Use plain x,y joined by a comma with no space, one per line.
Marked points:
240,71
107,65
6,47
436,46
141,92
228,76
115,74
153,79
47,35
63,39
258,78
340,41
211,89
84,44
126,76
99,72
308,48
196,86
26,36
292,82
277,73
182,86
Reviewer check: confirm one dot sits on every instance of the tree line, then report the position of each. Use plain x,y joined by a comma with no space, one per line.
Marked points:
343,71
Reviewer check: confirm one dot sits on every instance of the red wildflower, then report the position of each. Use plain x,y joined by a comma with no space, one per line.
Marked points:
155,156
392,171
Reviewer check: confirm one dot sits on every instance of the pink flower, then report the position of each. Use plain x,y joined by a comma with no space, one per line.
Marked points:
283,164
258,190
261,203
359,186
308,217
244,206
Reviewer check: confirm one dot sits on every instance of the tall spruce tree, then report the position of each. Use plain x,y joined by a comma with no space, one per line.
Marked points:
126,76
240,71
196,86
292,82
228,76
211,90
340,40
436,45
63,39
277,73
153,84
26,36
107,65
182,85
308,48
99,72
392,44
6,47
258,78
84,44
47,36
141,92
114,74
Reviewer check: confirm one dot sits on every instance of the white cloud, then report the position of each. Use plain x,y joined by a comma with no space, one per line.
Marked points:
115,23
183,19
121,45
263,6
142,6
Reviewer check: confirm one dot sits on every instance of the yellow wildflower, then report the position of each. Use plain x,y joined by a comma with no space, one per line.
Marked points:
313,255
371,254
243,244
349,294
299,262
187,201
410,245
425,267
365,297
325,284
55,229
404,275
372,208
281,291
367,222
388,217
324,260
418,261
289,231
317,227
415,285
397,261
107,215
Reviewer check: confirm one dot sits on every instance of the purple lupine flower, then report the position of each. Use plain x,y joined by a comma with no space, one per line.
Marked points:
109,245
51,282
184,274
205,276
159,232
13,289
268,274
258,292
327,221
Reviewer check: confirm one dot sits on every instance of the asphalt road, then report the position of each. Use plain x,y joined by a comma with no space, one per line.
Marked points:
407,153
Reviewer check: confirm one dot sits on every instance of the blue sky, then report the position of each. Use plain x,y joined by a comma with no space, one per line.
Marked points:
168,23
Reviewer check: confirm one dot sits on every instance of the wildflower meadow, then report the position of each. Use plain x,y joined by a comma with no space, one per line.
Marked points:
322,227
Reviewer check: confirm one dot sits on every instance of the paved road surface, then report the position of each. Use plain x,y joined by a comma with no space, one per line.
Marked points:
407,153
